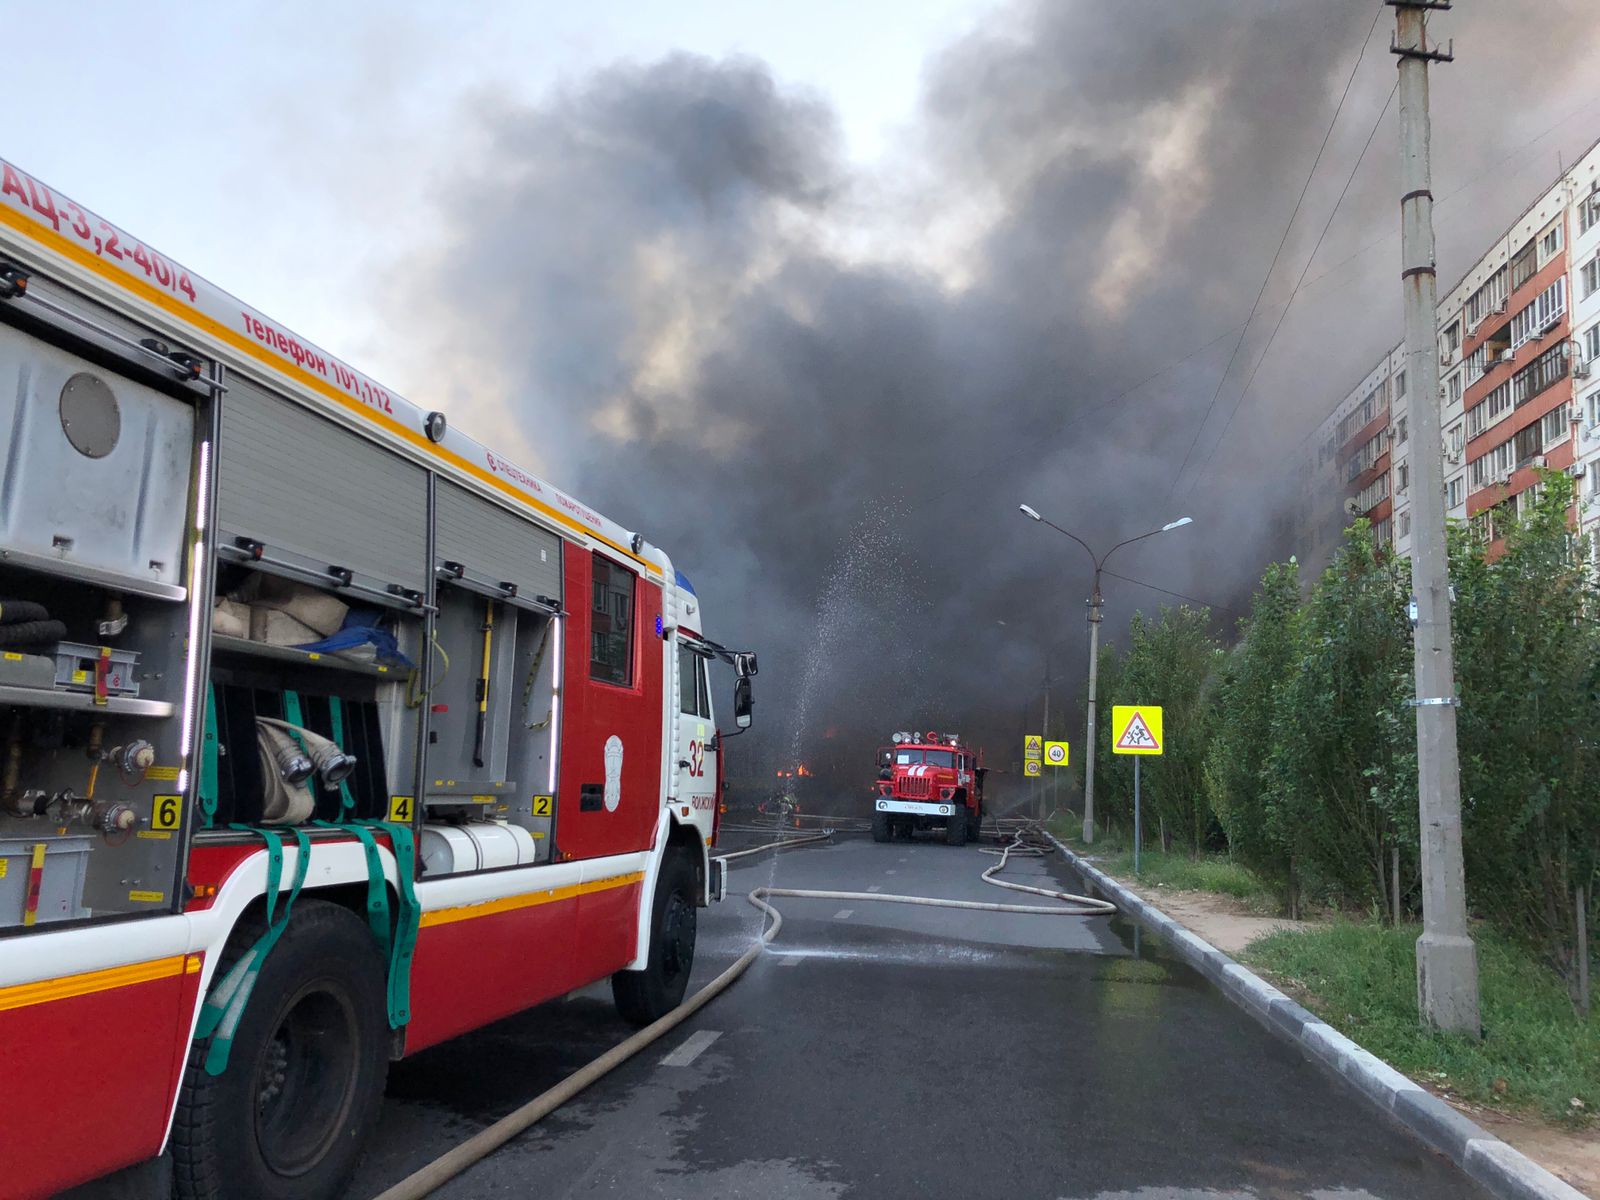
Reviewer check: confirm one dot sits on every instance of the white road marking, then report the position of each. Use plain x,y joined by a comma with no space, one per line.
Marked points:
876,887
693,1046
788,960
843,914
889,871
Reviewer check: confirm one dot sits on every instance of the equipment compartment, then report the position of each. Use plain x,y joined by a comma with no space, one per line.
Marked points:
94,468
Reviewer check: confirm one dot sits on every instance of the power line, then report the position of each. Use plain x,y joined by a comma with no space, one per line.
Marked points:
1277,254
1169,592
1284,311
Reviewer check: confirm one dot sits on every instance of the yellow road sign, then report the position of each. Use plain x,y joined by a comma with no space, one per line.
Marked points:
1136,729
1032,746
1033,768
1056,754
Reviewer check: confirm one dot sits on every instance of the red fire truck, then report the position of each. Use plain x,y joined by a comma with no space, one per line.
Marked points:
328,732
928,781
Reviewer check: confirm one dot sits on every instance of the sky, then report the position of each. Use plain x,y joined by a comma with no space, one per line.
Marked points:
814,295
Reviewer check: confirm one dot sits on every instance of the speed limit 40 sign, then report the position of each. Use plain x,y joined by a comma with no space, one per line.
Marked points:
1055,754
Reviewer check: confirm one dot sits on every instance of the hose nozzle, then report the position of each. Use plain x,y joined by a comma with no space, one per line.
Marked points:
290,762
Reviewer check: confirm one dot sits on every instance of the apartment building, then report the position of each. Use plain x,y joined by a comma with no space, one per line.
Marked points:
1519,355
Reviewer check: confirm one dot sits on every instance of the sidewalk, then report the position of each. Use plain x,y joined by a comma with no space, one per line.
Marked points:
1230,925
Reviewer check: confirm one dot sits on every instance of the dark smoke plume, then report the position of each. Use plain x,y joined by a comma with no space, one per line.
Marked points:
825,388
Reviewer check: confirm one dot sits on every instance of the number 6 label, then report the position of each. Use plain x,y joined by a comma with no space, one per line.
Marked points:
168,813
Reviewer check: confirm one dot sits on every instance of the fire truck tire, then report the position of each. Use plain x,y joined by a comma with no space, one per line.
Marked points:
882,827
290,1117
955,828
975,824
644,997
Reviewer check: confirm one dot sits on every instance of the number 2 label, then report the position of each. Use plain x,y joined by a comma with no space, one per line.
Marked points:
541,806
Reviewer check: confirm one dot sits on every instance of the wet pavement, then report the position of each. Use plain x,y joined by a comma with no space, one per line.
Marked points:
887,1051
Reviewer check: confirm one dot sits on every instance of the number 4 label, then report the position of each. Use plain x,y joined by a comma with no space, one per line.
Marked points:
168,812
400,809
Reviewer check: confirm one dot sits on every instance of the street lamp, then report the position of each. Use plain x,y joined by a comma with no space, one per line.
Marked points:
1094,646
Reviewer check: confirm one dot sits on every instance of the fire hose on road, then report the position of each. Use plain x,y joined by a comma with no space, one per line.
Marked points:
1025,843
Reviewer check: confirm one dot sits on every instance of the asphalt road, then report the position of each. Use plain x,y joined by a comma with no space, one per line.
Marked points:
882,1051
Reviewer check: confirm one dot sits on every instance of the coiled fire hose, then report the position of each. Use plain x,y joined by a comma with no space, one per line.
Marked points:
486,1141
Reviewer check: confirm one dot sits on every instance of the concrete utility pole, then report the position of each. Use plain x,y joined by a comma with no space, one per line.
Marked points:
1447,961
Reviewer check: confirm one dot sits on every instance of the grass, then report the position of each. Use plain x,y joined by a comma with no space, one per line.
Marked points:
1207,873
1535,1056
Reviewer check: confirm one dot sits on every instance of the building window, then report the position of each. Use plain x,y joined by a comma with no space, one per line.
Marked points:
1550,244
1400,432
1591,276
1452,337
1487,299
1402,477
611,630
1454,439
1380,532
1543,372
1594,413
1591,344
1524,265
1455,492
1452,388
1546,309
1405,524
1373,494
1589,213
1557,424
1400,384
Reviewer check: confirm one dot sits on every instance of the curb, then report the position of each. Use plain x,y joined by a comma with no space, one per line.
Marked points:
1503,1171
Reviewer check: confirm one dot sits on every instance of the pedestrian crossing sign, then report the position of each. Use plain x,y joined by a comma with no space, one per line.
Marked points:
1033,768
1055,754
1136,729
1032,746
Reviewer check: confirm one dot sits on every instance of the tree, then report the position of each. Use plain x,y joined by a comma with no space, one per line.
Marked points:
1170,662
1528,662
1342,771
1249,692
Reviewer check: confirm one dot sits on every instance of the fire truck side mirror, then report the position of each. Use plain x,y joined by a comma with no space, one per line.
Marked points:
742,702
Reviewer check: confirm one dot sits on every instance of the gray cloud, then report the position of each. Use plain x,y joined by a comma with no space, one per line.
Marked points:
656,264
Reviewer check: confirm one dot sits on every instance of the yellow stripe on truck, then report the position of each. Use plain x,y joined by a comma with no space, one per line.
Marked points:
43,991
487,908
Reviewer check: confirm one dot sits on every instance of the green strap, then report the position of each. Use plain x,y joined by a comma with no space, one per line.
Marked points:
224,1007
209,771
377,885
407,922
347,802
291,714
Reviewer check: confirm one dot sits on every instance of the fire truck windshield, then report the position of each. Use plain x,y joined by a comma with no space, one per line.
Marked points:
934,758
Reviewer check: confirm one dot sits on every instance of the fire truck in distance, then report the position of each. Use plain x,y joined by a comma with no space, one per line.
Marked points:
326,733
928,781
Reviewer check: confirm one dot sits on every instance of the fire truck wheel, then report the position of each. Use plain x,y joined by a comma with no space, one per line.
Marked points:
955,828
882,827
648,995
975,824
289,1118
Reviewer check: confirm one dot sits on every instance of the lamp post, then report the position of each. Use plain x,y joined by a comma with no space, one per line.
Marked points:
1094,647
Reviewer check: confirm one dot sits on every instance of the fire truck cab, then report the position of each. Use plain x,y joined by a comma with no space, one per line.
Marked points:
326,732
928,781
